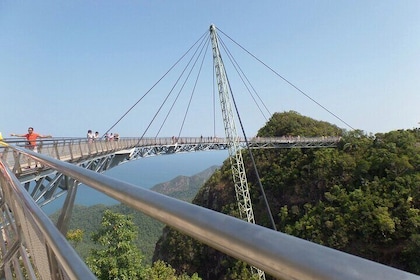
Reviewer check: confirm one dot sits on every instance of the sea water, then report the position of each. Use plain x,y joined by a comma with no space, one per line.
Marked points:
146,173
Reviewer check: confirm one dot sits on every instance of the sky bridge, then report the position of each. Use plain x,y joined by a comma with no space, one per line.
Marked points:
102,155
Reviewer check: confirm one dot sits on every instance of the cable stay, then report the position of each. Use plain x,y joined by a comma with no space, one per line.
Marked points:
248,85
156,83
193,90
173,87
228,103
246,81
290,83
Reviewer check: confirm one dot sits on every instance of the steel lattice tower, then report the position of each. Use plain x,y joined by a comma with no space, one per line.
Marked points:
235,155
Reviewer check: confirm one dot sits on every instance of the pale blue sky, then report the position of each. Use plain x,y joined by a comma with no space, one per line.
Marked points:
70,66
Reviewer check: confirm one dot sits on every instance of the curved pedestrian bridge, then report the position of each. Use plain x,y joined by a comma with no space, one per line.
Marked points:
80,151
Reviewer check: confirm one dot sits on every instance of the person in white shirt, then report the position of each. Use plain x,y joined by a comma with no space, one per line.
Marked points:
90,136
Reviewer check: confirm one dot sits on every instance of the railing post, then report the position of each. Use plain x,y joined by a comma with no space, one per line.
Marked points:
55,147
16,167
71,150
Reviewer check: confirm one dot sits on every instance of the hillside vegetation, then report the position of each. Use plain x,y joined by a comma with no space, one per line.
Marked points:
88,219
362,197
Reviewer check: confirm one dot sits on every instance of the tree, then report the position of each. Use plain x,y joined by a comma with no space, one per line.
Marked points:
293,124
162,271
119,258
75,236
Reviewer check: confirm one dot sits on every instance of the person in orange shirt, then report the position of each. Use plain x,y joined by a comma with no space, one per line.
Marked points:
31,136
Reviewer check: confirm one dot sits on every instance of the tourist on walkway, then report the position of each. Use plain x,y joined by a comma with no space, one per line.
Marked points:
90,136
31,136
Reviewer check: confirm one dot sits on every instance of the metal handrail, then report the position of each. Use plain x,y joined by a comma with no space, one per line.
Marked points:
276,253
63,252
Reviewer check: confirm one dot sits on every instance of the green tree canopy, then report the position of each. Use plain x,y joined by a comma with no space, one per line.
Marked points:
118,258
293,124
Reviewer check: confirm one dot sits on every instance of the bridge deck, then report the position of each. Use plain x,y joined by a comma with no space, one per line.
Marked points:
79,150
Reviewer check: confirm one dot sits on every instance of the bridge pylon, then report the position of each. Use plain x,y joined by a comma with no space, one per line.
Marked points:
235,152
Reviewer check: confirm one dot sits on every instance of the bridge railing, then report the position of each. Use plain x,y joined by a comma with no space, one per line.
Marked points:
71,149
278,254
31,247
77,149
66,149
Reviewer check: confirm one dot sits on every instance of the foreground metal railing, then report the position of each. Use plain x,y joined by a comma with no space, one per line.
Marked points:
278,254
31,245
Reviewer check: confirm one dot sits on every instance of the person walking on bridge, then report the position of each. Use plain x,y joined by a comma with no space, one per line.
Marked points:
90,136
31,136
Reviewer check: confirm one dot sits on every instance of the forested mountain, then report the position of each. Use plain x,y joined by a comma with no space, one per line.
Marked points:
89,218
362,197
184,187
